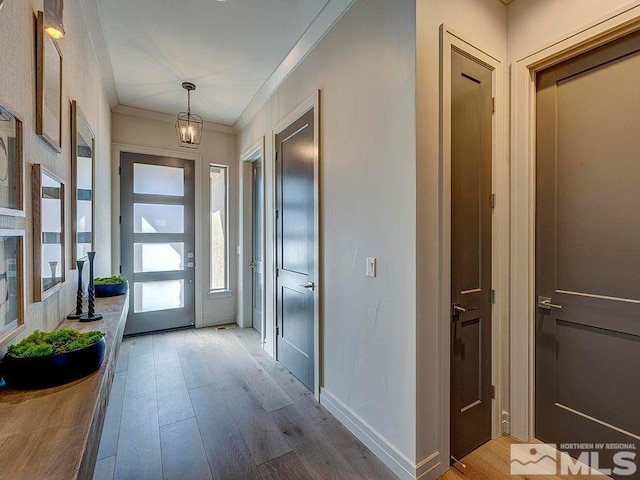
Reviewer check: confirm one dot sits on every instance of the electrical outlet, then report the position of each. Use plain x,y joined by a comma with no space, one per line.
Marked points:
371,267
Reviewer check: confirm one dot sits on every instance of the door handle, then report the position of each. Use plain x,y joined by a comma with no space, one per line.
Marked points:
457,309
191,264
545,302
309,286
252,265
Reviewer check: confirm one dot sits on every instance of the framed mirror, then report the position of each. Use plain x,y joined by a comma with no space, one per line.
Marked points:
11,162
48,87
11,284
82,185
48,232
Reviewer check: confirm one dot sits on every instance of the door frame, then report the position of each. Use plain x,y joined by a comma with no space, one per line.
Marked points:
449,41
201,168
311,102
523,200
245,276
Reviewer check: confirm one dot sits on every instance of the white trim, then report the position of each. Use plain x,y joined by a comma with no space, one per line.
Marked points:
311,102
202,282
500,232
245,276
323,23
397,462
523,183
168,118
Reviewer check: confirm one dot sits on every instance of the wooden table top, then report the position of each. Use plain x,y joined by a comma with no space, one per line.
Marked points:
55,433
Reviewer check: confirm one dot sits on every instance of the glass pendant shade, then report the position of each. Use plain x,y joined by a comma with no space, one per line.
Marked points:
53,18
188,125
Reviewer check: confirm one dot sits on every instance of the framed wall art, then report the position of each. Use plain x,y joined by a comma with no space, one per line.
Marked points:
11,162
12,281
48,232
48,86
82,185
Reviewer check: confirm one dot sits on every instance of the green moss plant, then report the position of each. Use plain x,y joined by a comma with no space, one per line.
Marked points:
109,280
40,344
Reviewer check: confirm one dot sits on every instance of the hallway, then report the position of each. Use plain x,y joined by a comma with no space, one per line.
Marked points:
211,404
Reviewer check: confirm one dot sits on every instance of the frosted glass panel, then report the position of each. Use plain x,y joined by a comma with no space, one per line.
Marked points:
153,218
155,296
158,180
158,257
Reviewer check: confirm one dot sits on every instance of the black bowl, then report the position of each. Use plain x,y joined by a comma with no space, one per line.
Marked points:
52,370
111,290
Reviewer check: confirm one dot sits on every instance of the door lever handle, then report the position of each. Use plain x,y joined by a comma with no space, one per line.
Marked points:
545,302
458,309
309,286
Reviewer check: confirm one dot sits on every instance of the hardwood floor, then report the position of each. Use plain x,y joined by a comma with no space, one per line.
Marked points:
203,404
492,462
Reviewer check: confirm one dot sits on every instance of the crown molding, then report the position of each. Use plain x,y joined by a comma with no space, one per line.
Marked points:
324,21
166,117
92,18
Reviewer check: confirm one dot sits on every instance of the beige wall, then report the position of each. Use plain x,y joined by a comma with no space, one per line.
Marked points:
365,67
216,147
81,82
483,24
537,23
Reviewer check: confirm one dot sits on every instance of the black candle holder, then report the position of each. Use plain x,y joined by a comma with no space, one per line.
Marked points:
79,294
91,316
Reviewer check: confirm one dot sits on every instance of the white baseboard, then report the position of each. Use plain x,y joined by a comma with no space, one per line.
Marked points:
397,462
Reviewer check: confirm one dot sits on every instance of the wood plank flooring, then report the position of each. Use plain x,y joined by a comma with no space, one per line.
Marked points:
210,404
492,462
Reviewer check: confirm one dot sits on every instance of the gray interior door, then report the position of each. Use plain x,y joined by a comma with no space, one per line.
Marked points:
295,294
471,200
157,199
587,249
256,263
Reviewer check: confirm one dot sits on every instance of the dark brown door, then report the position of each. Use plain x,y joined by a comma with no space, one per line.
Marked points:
157,232
296,267
588,249
471,194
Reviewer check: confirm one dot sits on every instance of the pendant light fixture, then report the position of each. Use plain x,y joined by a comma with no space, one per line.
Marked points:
53,18
188,126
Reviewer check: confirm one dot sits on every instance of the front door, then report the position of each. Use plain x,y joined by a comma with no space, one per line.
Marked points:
256,263
157,196
587,249
295,294
471,201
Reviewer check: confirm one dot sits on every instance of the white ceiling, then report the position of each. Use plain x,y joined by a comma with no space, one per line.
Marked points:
230,49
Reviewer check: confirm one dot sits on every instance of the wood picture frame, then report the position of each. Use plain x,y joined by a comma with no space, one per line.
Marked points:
48,87
12,151
83,143
14,284
48,195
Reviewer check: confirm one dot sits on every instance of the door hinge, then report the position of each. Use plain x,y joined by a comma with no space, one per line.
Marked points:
493,296
276,155
277,214
120,219
120,268
119,170
277,272
493,200
493,104
493,392
277,331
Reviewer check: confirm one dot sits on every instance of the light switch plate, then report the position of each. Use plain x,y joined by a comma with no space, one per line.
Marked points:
371,267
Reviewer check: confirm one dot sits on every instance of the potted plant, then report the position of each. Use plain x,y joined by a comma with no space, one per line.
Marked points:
110,286
49,359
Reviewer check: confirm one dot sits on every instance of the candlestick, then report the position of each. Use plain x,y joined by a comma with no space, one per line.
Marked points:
79,294
91,316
